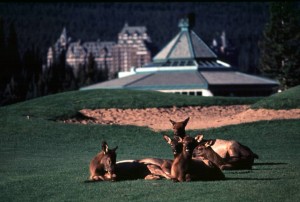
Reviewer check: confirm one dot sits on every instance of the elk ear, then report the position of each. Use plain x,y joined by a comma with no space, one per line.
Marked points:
104,147
199,138
186,121
178,139
209,143
172,122
168,139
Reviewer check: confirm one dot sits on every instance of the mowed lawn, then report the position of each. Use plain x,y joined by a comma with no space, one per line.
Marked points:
46,160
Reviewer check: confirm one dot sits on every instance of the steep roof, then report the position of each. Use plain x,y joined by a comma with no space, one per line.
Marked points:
185,45
130,30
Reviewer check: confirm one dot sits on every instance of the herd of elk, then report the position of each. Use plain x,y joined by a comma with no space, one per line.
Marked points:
194,159
233,154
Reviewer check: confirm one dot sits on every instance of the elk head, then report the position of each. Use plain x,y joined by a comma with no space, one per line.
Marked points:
175,144
109,160
179,127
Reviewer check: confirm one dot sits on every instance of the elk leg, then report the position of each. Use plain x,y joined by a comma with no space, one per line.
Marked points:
152,177
155,170
226,167
97,178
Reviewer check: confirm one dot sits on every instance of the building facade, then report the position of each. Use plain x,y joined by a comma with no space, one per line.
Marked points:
129,51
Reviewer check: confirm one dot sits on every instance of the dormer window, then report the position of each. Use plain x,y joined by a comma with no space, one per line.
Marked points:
125,35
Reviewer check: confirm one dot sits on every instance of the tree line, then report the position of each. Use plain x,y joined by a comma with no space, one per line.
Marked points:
23,76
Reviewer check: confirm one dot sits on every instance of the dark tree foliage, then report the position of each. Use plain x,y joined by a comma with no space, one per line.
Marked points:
3,74
91,70
280,52
56,75
13,56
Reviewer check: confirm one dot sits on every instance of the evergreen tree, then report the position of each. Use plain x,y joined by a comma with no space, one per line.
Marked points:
14,74
280,46
3,76
32,65
55,75
91,69
14,60
81,76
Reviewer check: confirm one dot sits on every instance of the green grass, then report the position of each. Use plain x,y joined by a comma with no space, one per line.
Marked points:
44,160
289,99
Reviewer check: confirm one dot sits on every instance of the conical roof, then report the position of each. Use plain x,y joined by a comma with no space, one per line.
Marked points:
185,45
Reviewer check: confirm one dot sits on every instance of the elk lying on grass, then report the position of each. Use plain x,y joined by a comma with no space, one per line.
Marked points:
234,155
204,151
162,167
102,166
184,168
133,170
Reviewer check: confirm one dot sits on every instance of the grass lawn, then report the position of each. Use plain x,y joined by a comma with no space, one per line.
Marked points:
44,160
289,99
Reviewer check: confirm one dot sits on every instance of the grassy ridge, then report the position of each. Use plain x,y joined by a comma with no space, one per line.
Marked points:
289,99
68,103
43,160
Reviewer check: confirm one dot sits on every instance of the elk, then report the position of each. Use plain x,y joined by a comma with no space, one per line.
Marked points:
133,169
102,166
204,151
185,168
232,153
162,167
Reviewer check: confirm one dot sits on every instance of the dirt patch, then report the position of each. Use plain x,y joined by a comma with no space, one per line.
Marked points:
200,117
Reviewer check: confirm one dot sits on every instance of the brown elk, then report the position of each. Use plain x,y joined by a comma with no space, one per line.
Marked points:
102,166
185,168
162,167
204,151
133,169
233,154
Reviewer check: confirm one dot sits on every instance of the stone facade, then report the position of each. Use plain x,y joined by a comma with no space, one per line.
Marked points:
129,51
